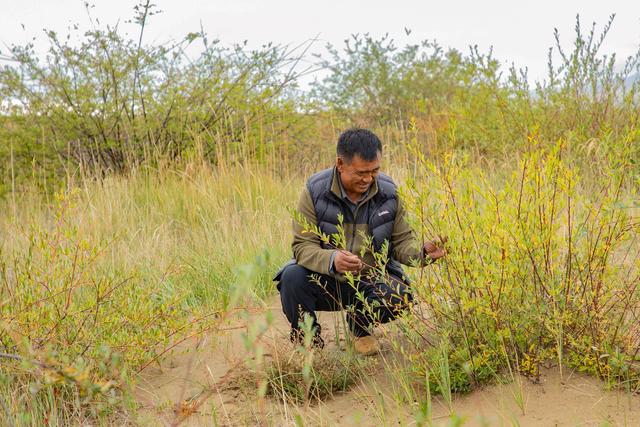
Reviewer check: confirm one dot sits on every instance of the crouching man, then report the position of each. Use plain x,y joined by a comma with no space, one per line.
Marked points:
372,215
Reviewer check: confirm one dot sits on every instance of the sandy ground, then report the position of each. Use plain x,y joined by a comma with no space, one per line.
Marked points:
209,363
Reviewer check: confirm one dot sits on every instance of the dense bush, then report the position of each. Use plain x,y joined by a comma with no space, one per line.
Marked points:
540,269
107,101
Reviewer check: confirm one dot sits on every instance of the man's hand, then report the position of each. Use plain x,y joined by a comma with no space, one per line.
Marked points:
346,261
434,249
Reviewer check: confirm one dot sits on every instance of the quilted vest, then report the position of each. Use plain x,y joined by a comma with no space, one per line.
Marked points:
379,212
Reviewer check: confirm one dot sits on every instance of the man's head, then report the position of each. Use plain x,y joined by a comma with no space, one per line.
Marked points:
358,161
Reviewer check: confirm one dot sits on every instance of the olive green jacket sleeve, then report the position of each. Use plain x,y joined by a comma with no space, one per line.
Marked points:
406,247
306,246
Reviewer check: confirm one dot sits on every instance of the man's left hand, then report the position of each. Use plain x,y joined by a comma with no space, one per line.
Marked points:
434,251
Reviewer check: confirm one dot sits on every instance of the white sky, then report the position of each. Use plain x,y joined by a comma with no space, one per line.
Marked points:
518,33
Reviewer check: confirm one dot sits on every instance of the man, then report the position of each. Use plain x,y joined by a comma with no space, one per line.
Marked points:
371,213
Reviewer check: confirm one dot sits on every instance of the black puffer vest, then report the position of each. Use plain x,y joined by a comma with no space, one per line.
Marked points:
379,212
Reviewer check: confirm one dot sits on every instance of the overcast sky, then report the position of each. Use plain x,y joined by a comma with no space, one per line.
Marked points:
519,32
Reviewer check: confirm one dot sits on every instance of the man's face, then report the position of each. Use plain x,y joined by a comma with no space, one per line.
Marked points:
358,174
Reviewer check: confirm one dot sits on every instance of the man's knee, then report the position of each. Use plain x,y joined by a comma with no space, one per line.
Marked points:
294,280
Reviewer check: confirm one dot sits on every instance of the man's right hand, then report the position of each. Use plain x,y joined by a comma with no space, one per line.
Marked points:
346,261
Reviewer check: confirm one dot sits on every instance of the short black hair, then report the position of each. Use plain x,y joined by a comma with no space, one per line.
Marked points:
358,141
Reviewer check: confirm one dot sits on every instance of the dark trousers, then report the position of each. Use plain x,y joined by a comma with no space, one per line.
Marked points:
303,291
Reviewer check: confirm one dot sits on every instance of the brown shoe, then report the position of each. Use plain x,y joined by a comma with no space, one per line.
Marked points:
366,346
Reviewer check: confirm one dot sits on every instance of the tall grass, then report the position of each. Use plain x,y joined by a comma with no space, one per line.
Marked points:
134,265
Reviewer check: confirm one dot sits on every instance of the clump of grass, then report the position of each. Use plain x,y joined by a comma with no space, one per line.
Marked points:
61,390
293,380
300,374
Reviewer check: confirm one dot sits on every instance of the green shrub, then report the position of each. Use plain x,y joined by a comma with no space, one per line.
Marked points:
537,269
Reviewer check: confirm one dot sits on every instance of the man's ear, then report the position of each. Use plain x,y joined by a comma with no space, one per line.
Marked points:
339,164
